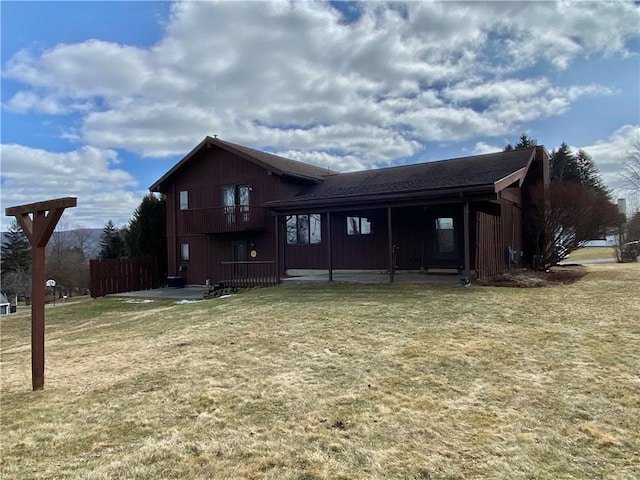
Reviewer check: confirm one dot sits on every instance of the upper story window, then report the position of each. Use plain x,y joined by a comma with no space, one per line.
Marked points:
184,200
235,199
359,226
304,229
445,238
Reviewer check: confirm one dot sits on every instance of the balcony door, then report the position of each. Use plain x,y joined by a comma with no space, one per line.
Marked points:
236,203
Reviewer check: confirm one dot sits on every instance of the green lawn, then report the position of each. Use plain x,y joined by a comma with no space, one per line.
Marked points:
334,381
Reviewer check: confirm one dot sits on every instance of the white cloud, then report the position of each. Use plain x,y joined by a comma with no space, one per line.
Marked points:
103,191
610,154
300,78
481,148
408,70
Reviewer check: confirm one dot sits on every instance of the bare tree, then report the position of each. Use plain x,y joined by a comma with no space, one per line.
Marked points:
631,170
66,262
81,238
566,215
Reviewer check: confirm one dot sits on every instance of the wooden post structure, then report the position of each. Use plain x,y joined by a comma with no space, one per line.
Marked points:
329,248
38,220
467,250
392,262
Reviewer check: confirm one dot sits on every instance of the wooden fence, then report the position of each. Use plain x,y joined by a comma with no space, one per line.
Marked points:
490,257
249,274
117,275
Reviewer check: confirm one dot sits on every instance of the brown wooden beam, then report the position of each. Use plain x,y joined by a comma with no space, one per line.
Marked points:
277,232
329,249
392,263
467,250
63,202
38,221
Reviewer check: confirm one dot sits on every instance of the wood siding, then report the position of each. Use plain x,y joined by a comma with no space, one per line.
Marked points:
490,245
413,234
210,241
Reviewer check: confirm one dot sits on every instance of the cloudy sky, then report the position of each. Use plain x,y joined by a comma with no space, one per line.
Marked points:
99,99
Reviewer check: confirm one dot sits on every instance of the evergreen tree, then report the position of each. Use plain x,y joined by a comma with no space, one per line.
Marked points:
146,235
16,250
524,142
111,243
589,175
16,262
563,165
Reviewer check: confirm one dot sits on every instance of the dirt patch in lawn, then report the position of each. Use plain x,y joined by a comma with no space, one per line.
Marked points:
525,278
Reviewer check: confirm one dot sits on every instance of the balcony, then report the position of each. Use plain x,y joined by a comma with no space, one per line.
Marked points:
239,218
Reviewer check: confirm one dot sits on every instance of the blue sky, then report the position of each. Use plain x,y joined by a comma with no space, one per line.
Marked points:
99,99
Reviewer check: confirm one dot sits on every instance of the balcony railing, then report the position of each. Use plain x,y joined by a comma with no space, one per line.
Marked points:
238,218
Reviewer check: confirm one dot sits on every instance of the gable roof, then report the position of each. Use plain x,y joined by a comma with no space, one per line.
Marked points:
479,173
274,163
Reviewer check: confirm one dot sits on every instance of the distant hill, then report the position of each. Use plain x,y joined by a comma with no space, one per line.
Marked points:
89,237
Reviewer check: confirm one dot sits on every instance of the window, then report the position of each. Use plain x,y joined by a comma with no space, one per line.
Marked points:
236,200
184,252
184,200
445,239
359,226
304,229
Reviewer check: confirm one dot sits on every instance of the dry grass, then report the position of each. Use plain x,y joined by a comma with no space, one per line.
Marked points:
334,381
591,253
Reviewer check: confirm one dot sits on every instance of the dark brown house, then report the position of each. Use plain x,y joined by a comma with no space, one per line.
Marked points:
235,212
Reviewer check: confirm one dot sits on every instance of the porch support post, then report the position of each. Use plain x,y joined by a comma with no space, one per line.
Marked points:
277,228
392,265
467,253
329,249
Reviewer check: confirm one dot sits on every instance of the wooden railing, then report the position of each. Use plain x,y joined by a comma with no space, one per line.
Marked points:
249,274
237,218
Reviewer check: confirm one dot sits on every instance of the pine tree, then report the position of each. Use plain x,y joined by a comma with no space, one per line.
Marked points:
564,166
589,175
16,262
146,235
16,251
111,243
524,142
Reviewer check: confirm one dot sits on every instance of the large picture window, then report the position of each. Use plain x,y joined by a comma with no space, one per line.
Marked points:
304,229
445,238
359,226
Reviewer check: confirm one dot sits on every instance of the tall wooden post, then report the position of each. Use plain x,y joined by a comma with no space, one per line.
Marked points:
38,221
329,247
467,249
392,262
